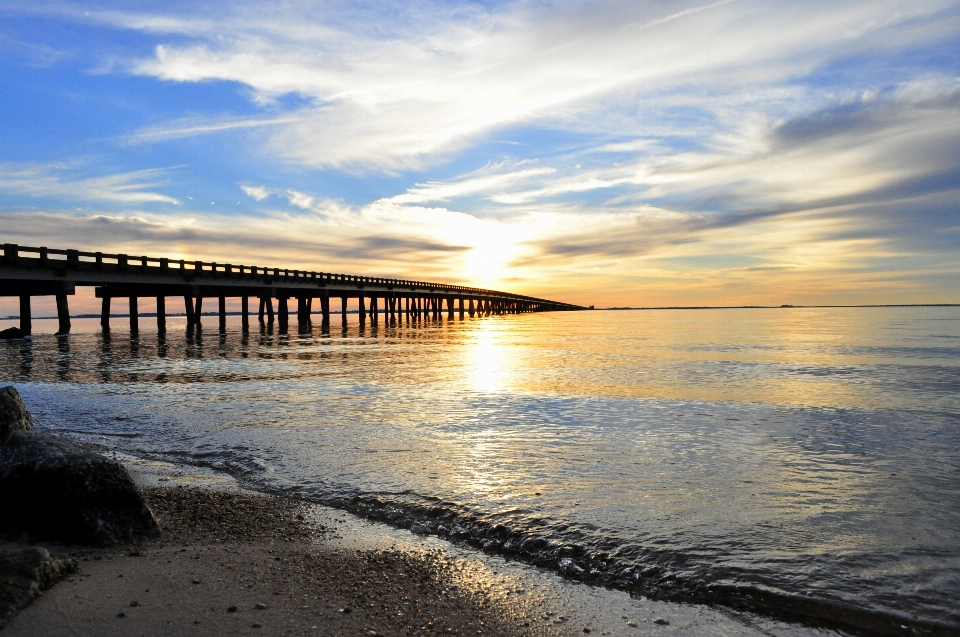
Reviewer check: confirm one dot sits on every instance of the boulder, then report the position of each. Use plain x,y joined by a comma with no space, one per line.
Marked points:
54,488
24,574
11,333
13,413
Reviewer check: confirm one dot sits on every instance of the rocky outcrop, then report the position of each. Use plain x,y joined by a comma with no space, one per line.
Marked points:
11,333
52,487
55,488
13,414
24,574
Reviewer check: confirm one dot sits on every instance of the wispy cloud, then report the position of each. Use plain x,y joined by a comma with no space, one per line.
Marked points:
194,127
58,180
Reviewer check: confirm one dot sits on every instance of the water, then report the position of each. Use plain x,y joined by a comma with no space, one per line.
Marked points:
790,459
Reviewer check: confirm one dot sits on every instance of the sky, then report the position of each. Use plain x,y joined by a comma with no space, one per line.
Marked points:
641,153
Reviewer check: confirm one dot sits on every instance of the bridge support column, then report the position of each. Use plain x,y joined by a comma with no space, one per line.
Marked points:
223,313
283,314
198,310
362,309
470,308
374,310
187,307
26,319
343,312
301,311
63,314
161,315
105,313
134,316
449,308
245,313
263,305
325,310
269,304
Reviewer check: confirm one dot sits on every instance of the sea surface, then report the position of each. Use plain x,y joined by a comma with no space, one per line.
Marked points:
770,459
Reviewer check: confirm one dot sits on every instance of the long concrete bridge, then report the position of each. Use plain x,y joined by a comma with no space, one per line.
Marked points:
28,271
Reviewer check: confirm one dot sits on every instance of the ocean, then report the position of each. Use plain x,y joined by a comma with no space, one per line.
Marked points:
800,462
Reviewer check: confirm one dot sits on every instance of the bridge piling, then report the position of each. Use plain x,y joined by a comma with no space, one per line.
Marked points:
269,311
161,314
343,312
223,313
26,320
187,307
362,309
245,313
134,317
198,310
283,318
263,304
63,314
105,313
325,310
302,312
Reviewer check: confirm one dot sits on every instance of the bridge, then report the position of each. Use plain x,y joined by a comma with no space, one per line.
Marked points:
29,271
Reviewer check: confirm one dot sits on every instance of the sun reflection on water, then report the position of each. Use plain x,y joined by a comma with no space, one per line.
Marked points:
491,366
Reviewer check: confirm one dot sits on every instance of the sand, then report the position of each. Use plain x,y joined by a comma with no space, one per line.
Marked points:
232,562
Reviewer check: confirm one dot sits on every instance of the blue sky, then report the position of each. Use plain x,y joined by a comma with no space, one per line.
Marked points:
640,153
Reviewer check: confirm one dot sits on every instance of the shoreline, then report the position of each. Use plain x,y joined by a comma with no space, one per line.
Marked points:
273,551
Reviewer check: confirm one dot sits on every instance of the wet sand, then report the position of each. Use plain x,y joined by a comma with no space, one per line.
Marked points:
232,562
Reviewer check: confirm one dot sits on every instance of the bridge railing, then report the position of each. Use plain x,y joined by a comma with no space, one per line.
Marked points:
52,257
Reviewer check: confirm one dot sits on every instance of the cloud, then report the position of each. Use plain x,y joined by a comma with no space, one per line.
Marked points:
489,179
300,200
258,193
193,127
402,89
53,180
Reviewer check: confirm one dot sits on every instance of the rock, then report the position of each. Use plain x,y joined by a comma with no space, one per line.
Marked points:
13,414
12,332
24,574
661,622
55,488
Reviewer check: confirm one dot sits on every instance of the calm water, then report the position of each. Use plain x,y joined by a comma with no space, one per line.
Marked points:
715,455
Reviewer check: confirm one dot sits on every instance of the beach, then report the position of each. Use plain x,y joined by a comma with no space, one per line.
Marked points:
234,562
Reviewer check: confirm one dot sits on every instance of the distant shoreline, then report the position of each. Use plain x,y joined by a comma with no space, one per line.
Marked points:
775,307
